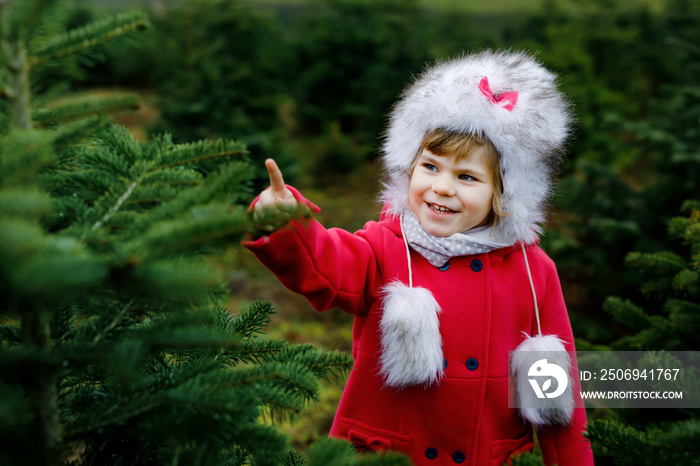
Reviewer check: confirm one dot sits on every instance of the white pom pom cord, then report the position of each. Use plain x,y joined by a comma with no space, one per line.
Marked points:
410,337
411,343
534,358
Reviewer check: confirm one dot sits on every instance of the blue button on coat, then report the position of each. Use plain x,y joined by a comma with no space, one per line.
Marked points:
476,265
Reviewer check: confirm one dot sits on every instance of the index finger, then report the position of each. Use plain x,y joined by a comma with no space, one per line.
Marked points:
276,179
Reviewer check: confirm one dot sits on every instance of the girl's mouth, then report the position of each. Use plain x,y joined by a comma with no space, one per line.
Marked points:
440,209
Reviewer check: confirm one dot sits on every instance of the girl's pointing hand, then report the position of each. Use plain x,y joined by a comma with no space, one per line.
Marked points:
276,205
277,188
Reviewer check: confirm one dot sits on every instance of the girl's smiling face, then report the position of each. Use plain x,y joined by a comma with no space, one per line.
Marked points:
451,196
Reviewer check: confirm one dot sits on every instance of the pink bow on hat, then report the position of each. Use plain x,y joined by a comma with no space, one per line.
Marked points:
509,97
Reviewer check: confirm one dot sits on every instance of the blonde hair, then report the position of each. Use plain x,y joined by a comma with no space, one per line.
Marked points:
460,145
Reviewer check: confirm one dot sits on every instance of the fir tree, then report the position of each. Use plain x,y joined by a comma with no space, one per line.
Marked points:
672,285
634,160
114,345
669,321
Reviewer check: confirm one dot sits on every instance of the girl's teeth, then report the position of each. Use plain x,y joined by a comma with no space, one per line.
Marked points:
440,208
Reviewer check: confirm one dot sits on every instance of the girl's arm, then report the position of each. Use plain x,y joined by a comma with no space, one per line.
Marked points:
564,446
331,268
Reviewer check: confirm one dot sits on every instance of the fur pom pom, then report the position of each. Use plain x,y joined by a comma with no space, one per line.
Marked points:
410,337
534,363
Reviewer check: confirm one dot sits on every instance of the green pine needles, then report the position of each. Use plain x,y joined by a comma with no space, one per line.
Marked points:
672,283
668,322
674,443
114,345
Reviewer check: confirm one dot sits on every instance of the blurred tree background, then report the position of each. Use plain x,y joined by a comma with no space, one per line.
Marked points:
310,82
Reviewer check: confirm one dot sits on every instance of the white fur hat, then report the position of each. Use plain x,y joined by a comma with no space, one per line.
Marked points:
506,96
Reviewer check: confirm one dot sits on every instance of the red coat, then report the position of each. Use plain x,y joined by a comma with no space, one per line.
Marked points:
486,304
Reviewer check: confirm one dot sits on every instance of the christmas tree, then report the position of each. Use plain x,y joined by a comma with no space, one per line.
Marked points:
668,321
115,347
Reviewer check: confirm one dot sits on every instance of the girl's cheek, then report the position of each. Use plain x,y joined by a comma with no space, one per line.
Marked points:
411,203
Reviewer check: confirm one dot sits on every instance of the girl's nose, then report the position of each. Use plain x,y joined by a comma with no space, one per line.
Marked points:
444,186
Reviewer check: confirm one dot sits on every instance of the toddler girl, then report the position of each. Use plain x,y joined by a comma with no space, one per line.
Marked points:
450,292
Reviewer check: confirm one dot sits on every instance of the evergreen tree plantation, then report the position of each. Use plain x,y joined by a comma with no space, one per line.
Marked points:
118,341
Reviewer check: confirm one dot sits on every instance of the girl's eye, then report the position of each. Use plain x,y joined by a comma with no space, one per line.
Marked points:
430,167
467,178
